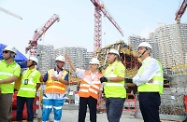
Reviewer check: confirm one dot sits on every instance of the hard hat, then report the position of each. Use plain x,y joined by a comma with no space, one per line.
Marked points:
34,59
94,61
145,44
60,58
113,51
10,48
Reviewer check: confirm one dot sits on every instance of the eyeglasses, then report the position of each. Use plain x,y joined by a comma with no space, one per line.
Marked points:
5,51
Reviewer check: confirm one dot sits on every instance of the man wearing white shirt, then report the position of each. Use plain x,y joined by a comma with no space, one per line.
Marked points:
89,90
149,80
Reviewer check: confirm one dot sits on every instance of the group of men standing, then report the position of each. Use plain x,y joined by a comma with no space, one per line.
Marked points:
55,79
149,80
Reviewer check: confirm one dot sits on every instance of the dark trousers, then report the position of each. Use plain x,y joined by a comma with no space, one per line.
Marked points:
149,106
20,106
92,104
114,108
6,107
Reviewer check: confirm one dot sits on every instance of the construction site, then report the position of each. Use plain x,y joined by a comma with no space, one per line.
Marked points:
173,101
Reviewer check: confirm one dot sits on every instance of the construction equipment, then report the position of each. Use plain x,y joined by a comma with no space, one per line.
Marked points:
32,47
181,11
98,25
180,69
10,13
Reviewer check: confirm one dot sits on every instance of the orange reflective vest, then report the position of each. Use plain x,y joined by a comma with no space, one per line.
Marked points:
55,86
90,86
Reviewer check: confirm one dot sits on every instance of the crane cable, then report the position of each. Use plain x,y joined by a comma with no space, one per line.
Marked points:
10,13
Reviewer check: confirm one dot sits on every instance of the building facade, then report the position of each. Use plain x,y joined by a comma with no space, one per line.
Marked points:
47,54
46,58
172,43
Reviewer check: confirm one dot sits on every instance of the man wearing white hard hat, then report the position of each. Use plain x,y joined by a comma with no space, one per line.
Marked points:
9,73
30,82
149,80
114,83
89,89
56,80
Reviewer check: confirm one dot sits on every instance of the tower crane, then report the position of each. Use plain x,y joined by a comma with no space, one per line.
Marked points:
32,47
99,8
181,11
10,13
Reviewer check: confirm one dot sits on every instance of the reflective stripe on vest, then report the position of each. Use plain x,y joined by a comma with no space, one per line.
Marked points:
114,89
157,84
55,86
28,90
90,86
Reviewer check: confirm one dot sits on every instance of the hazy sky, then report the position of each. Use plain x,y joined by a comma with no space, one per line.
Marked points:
76,25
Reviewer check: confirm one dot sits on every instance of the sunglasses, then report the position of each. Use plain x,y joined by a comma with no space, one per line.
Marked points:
6,51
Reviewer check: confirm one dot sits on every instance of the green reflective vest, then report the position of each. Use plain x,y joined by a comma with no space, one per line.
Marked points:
28,89
158,80
115,89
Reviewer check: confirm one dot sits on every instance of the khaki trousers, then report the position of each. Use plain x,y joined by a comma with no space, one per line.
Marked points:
6,107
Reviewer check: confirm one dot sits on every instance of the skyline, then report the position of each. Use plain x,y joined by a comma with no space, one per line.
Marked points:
76,25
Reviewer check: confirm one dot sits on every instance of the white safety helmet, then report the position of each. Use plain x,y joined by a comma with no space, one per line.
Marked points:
60,58
10,48
145,44
94,61
34,59
113,51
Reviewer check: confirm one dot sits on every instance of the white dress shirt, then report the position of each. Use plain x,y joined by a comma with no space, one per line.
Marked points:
150,70
81,73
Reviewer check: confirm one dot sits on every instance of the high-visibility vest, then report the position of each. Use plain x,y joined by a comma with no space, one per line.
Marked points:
29,90
157,84
7,71
114,89
90,86
55,86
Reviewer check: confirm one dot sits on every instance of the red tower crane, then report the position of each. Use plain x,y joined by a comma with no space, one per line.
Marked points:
181,11
32,47
98,25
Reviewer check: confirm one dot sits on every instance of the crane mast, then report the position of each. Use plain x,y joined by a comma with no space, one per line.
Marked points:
99,8
32,47
178,16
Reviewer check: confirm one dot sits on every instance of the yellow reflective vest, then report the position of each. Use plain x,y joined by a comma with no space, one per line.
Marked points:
115,89
29,90
7,71
156,85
